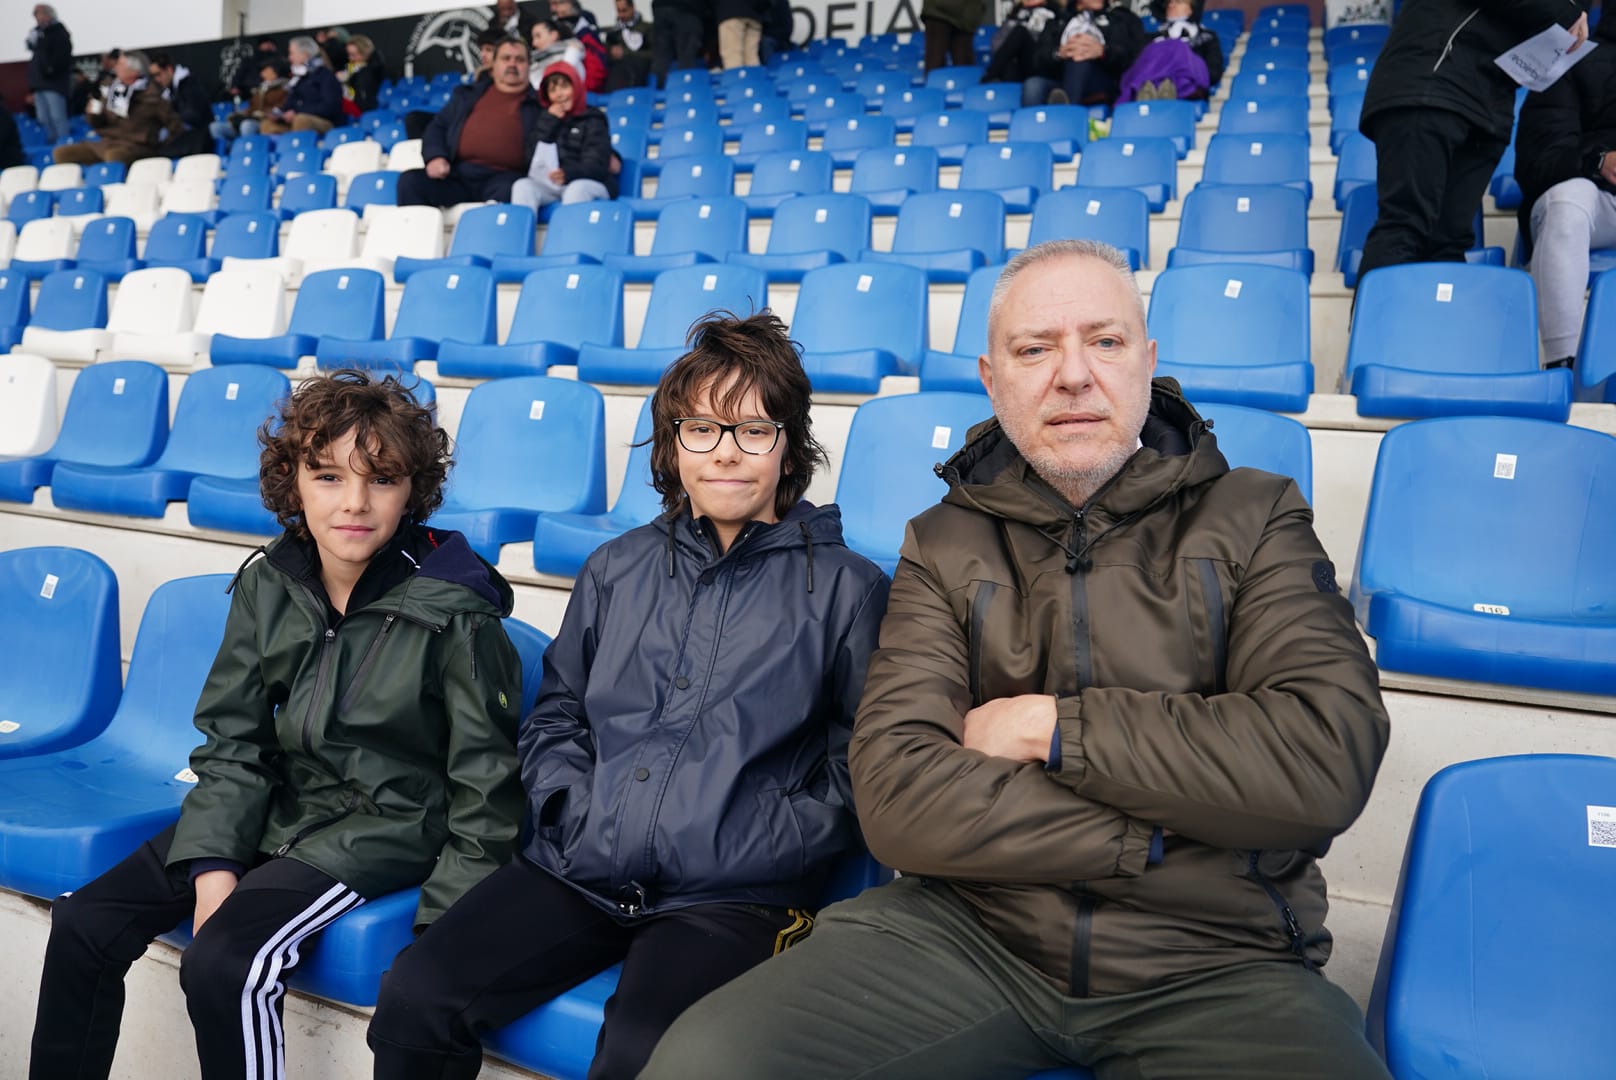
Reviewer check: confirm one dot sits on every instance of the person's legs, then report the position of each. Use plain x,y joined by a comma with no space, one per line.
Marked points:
939,36
234,973
1035,90
687,39
962,48
1087,83
1411,175
900,982
415,188
78,153
529,193
488,185
662,51
306,122
731,33
751,42
516,939
578,191
1012,59
1263,1021
674,961
95,934
51,110
1568,220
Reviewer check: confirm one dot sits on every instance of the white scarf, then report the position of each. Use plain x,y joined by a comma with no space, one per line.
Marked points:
1082,23
119,96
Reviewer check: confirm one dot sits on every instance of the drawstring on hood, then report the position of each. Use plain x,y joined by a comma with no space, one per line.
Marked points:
808,539
814,524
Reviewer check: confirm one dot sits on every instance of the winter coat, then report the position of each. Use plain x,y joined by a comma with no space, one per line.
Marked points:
141,130
379,751
1124,40
442,136
316,92
1440,56
583,141
1219,718
689,743
1564,130
961,14
50,61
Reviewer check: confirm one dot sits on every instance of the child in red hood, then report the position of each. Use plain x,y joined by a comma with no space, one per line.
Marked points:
572,161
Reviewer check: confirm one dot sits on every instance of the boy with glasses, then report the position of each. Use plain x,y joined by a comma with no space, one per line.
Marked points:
686,761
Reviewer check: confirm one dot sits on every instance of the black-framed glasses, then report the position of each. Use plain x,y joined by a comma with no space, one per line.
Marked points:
702,436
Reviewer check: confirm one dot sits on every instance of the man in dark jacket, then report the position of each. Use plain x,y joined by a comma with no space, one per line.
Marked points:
131,119
680,35
629,47
184,91
10,139
1565,162
1119,711
50,70
1091,50
314,98
482,141
1439,111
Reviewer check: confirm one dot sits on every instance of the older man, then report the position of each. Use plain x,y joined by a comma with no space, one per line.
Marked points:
1118,712
131,120
482,141
50,69
313,97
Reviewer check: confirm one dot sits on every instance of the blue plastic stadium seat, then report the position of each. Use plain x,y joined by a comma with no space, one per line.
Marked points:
1476,561
1362,35
1237,334
298,160
1240,223
891,448
1062,128
786,174
1345,110
104,173
29,206
810,231
957,370
831,108
859,322
180,240
16,302
310,191
558,310
1263,116
678,298
909,104
1596,352
1354,167
496,492
1348,79
108,248
1174,120
888,175
372,189
558,1038
1447,339
1257,85
947,234
1274,158
1264,57
214,434
1259,439
950,132
69,816
67,301
766,137
688,231
59,634
562,541
242,194
707,175
579,233
1488,968
1116,216
116,415
479,236
1148,165
451,303
241,236
764,108
1018,172
346,302
1000,101
845,139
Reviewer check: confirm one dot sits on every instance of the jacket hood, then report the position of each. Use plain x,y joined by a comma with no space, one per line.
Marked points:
989,474
804,526
563,68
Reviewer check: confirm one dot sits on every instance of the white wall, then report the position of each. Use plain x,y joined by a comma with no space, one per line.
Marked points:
99,25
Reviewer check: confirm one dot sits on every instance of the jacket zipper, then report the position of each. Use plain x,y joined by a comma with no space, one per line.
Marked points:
319,689
364,664
1446,49
1082,939
1293,927
348,807
1081,657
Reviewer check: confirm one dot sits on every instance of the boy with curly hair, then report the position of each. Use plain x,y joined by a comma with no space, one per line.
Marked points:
359,724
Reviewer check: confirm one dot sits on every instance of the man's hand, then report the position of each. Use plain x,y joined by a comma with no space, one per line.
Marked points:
1019,728
558,176
1607,167
1579,30
211,890
437,168
1082,47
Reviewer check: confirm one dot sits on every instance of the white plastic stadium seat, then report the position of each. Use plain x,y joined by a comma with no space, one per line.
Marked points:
192,195
18,179
414,232
44,239
28,418
352,158
138,202
197,167
150,172
151,319
317,237
60,177
243,304
405,155
8,240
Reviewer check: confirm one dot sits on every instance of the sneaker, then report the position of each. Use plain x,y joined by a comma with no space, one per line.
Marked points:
1146,91
1058,96
1166,90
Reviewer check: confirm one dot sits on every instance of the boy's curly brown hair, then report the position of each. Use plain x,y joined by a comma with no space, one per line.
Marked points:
394,435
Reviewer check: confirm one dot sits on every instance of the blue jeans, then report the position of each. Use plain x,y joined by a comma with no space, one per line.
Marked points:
1085,83
51,110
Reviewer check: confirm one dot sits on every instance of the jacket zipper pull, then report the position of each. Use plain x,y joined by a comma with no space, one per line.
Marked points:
1075,560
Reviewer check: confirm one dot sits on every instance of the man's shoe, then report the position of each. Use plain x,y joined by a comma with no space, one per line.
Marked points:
1166,90
1146,91
1058,96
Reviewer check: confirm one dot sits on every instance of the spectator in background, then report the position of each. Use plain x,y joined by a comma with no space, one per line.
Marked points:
629,47
78,99
777,28
314,97
10,139
583,27
572,160
1565,162
248,74
50,70
578,20
1183,59
950,27
184,91
273,73
552,41
363,75
487,42
1020,48
131,121
482,141
508,19
107,77
1093,49
740,31
333,43
1440,111
679,37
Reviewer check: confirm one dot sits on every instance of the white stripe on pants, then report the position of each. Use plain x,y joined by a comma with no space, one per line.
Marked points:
1568,220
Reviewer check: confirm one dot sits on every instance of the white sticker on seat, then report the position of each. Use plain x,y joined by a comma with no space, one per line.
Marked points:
1127,149
1504,467
182,229
1262,78
1232,287
186,776
232,391
942,121
1363,72
536,411
1490,609
1602,826
454,281
1040,115
1256,149
1006,153
252,226
1093,207
572,281
852,125
709,283
690,136
594,216
795,166
1251,106
899,159
695,170
48,589
1144,110
768,129
1242,205
8,726
78,283
501,217
820,215
955,209
342,282
940,436
1444,292
117,386
864,282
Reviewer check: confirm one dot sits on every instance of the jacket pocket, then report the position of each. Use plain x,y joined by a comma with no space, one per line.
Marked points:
783,840
825,830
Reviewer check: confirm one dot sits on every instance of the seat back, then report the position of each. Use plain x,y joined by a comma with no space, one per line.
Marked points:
695,140
217,419
28,412
116,415
1256,159
1255,116
243,304
702,176
1231,315
411,231
27,206
16,179
352,159
107,239
1256,85
827,222
404,155
137,200
188,196
950,127
1049,123
889,168
64,670
246,194
1487,969
570,305
176,238
855,306
1007,165
76,202
310,191
530,645
510,426
44,239
713,226
245,165
15,299
949,220
997,100
323,234
8,240
1269,57
913,101
498,229
1596,352
953,79
681,296
372,189
774,135
761,109
1116,216
971,333
591,228
1354,167
156,300
799,172
1238,218
342,303
1259,439
859,133
197,167
1129,162
1447,317
248,236
638,501
887,476
71,300
1492,511
453,303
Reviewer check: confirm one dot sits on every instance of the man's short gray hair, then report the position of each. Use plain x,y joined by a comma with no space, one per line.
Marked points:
137,61
305,45
1061,249
50,12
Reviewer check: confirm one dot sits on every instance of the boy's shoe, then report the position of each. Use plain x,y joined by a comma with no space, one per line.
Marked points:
1058,96
1166,90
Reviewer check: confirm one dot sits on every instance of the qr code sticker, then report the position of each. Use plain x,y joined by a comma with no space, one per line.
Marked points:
1602,826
